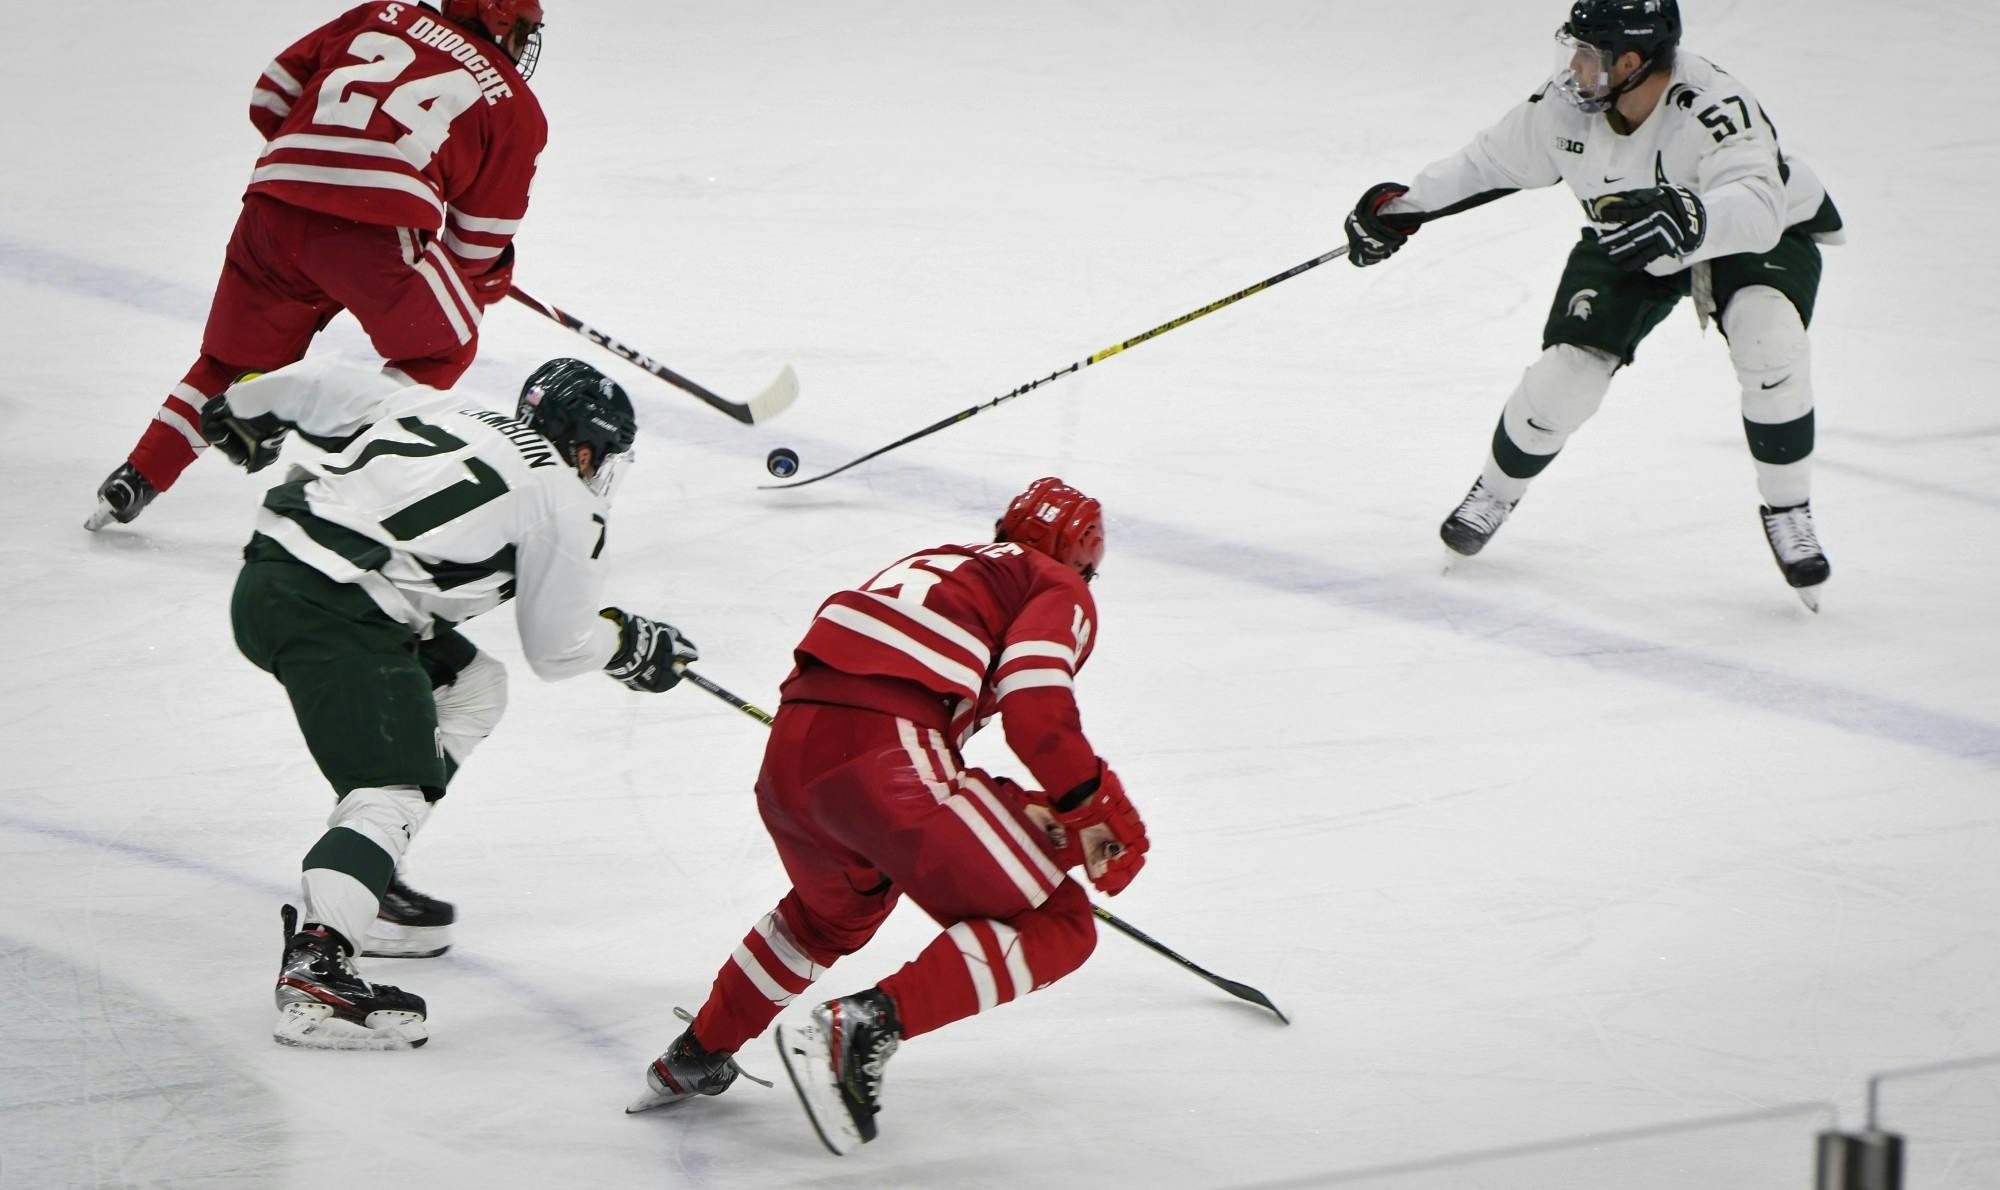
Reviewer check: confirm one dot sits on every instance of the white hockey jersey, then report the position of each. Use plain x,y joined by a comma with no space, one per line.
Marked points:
438,508
1708,134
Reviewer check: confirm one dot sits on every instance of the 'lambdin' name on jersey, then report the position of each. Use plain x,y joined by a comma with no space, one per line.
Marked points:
535,449
493,85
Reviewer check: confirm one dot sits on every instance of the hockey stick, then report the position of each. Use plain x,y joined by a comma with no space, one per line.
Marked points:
757,713
1241,991
775,399
1414,221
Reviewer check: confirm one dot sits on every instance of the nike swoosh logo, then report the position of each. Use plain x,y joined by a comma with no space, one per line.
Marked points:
1776,268
1613,181
1534,425
1765,387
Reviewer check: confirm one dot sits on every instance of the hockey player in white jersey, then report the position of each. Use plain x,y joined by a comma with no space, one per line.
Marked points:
1687,192
417,512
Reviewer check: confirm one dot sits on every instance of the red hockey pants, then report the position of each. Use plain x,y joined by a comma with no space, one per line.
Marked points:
286,273
864,808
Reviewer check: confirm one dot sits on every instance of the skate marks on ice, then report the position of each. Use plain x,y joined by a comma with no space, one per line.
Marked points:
102,1085
522,991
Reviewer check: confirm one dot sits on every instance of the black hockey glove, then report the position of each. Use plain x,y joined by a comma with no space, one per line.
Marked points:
251,443
650,653
1373,237
1654,222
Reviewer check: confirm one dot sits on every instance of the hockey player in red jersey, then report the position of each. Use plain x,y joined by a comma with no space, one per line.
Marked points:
867,800
400,142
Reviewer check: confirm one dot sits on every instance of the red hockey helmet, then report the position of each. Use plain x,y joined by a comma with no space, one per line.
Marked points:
515,25
1058,520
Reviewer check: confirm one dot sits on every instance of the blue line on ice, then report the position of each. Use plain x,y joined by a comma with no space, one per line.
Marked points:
1800,698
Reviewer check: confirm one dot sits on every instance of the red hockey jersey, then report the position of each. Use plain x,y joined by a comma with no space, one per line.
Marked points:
392,115
997,628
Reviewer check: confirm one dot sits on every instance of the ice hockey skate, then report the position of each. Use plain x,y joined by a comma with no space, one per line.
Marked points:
1795,544
122,496
1474,522
687,1070
324,1004
409,925
836,1062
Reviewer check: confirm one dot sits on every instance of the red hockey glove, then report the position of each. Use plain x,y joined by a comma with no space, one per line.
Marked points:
493,284
1100,818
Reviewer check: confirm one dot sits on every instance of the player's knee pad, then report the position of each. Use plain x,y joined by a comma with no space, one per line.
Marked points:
470,708
824,939
387,816
1058,935
1557,394
1773,356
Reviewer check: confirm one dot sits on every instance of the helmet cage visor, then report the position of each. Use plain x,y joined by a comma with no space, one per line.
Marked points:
528,36
607,473
1583,72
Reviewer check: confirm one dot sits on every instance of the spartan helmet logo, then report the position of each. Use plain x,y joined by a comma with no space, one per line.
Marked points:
1579,304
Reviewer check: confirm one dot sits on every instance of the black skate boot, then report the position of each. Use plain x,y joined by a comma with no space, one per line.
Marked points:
324,1004
1476,519
836,1065
1795,544
122,496
687,1070
409,925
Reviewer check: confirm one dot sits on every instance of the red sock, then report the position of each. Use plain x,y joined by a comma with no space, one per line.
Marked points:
171,441
767,972
173,438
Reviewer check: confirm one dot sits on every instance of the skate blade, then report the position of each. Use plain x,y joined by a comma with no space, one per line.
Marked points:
809,1065
653,1100
1808,596
387,940
314,1027
102,517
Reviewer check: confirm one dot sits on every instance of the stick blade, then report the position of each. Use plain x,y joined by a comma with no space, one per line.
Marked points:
776,397
1243,991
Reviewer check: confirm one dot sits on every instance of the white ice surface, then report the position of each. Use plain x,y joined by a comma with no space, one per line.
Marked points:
1600,832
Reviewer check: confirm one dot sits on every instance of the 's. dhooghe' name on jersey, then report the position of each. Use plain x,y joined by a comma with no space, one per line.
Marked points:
447,40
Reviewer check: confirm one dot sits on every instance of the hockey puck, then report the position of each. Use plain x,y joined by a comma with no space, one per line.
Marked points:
782,462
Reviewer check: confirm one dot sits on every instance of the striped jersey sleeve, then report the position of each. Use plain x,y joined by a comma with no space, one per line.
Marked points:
283,84
1033,685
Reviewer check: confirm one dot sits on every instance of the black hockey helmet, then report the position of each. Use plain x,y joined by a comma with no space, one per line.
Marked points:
1645,27
573,404
1599,32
